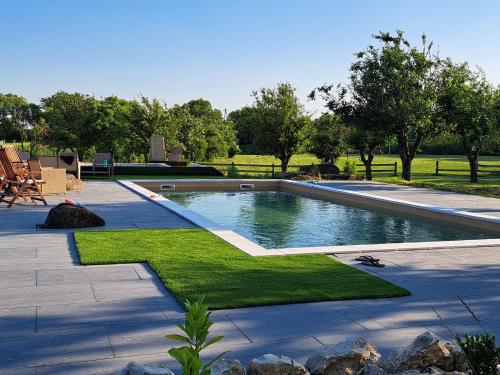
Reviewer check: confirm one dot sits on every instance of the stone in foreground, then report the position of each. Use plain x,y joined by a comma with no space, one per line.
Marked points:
425,351
134,368
270,364
67,216
227,367
345,358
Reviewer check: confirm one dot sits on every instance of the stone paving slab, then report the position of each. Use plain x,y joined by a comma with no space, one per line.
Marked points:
59,317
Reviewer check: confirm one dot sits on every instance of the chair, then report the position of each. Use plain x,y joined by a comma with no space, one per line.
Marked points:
102,163
19,182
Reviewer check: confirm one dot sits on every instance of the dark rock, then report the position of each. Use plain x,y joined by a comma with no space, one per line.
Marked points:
67,216
270,364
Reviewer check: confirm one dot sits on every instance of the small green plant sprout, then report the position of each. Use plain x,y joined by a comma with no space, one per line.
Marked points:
232,171
350,167
196,329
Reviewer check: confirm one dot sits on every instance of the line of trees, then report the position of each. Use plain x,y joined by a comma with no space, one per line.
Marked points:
397,93
84,124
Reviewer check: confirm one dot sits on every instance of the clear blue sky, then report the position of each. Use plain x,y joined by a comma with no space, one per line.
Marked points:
220,49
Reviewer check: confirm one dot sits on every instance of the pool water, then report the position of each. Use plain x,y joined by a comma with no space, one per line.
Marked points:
277,220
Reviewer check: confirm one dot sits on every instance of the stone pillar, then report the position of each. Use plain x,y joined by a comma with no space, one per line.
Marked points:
157,149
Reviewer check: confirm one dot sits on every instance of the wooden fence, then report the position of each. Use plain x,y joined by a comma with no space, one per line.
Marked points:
271,169
482,168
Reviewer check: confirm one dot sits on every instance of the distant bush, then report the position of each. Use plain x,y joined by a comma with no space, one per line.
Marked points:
350,167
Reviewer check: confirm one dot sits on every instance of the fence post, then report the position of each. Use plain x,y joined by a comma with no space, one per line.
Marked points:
272,171
395,168
437,168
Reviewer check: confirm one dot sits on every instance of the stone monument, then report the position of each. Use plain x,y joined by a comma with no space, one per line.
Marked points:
157,149
175,154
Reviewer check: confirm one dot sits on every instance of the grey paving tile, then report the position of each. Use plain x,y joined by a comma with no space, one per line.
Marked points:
17,253
84,275
46,295
39,349
17,321
109,291
100,314
277,326
17,279
147,338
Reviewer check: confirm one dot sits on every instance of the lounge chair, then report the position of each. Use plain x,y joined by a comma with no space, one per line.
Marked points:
19,182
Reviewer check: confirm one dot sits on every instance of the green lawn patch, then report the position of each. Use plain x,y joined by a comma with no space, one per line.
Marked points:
193,263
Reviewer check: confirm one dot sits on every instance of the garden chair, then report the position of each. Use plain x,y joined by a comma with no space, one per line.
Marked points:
103,163
19,182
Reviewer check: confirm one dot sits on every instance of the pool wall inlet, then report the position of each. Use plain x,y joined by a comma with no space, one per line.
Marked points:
148,189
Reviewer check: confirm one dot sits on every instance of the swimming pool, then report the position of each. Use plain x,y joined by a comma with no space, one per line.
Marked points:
275,219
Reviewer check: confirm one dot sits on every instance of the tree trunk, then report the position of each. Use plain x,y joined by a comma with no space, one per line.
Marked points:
406,174
367,161
285,159
473,165
407,151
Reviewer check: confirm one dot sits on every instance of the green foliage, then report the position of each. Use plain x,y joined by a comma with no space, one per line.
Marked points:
196,329
350,167
481,353
329,138
467,108
17,116
232,172
246,125
281,123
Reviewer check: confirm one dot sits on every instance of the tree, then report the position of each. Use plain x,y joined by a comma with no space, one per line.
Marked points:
17,116
64,114
107,127
148,117
403,78
220,136
468,105
329,138
245,124
281,123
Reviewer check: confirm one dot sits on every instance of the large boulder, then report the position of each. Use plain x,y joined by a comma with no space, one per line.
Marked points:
345,358
227,367
67,216
270,364
372,369
135,368
424,352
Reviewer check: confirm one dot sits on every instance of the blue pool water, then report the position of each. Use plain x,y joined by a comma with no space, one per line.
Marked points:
277,220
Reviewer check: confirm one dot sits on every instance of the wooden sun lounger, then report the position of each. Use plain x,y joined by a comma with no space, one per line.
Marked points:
20,182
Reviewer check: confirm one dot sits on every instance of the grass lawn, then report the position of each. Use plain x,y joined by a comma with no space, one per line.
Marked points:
423,169
193,263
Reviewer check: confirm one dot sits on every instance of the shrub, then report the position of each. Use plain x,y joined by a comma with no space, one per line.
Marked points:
196,329
481,353
232,172
350,167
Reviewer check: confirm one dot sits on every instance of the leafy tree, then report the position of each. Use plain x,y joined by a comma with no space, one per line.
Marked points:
107,127
281,123
468,106
64,114
17,116
147,117
403,77
245,123
329,138
220,136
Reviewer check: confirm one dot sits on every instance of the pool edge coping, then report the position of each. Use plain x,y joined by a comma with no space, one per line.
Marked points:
253,249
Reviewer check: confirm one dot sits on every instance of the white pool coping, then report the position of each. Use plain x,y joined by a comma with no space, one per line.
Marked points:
254,249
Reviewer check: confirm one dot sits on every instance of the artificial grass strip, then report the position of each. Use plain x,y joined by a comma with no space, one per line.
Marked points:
194,263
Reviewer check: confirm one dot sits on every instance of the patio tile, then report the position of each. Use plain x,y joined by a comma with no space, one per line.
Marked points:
46,295
17,321
17,279
48,348
86,275
109,291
